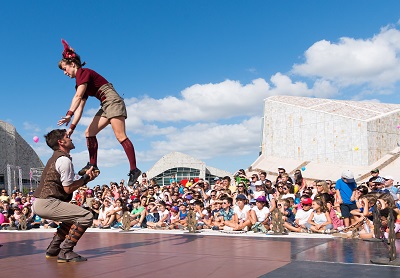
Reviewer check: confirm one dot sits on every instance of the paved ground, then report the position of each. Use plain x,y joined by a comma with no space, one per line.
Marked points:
145,253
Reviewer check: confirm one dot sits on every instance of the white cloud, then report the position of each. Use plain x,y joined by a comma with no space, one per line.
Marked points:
202,102
211,140
34,128
352,61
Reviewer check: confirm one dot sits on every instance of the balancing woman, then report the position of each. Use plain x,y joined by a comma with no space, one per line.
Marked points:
112,111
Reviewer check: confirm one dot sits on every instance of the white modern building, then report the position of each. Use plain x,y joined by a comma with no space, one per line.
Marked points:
325,136
183,167
17,159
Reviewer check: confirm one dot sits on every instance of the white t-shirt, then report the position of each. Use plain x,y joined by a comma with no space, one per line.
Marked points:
284,196
162,214
257,194
261,214
102,214
204,212
242,214
303,216
65,168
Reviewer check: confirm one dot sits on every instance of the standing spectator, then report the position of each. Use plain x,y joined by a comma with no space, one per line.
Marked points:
344,190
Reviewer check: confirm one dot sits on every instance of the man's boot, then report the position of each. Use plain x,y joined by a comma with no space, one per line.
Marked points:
54,247
67,254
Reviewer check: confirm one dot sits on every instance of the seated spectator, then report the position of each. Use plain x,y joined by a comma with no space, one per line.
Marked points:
227,219
105,219
240,189
89,198
302,216
358,194
322,187
36,221
259,215
183,213
284,207
4,220
174,218
95,209
164,216
242,211
116,213
288,191
365,208
335,215
319,220
386,200
384,221
201,213
136,212
259,190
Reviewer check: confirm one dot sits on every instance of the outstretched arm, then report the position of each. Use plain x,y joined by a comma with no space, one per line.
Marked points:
77,117
76,101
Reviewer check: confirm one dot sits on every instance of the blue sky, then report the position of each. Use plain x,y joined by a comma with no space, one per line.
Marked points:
194,74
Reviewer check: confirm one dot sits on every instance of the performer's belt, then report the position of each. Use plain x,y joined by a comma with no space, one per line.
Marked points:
101,95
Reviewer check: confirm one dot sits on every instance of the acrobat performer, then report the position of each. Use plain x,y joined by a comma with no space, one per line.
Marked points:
112,111
54,193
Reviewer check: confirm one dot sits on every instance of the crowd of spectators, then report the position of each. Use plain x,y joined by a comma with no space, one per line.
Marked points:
244,202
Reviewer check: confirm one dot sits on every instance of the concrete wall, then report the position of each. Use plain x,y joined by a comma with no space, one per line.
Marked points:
14,150
299,133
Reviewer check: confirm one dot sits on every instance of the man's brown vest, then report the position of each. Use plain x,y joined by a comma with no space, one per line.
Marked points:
50,183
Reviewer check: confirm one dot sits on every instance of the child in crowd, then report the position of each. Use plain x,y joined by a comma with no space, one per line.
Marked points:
174,218
201,214
302,216
242,211
136,213
319,220
288,216
259,215
164,217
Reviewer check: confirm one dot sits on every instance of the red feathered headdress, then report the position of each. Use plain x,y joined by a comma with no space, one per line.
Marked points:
68,52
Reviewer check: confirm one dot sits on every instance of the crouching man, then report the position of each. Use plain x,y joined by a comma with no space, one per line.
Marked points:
54,193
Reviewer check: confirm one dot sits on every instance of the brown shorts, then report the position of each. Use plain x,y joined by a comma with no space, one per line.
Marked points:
113,105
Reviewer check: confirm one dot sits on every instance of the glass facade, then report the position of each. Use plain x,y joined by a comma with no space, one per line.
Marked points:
181,173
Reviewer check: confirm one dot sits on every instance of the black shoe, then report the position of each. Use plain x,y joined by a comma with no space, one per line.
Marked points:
87,167
133,176
75,260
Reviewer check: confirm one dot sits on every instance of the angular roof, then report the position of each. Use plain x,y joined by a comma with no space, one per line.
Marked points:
359,110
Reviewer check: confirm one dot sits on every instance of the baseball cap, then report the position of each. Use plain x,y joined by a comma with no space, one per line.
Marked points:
307,201
258,183
189,197
388,178
261,199
174,209
241,197
348,175
376,170
216,178
379,180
